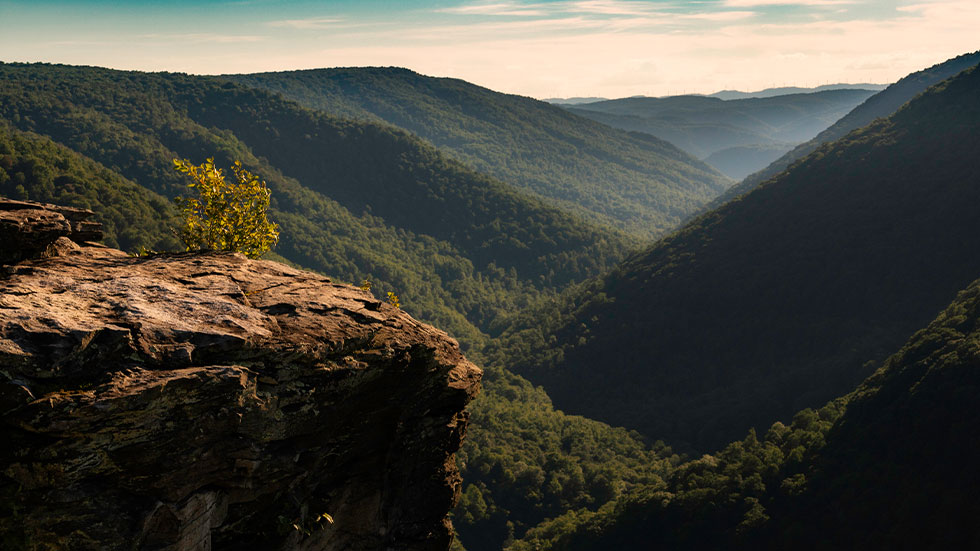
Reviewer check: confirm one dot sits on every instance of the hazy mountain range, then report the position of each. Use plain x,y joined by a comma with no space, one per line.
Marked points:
881,104
736,136
786,90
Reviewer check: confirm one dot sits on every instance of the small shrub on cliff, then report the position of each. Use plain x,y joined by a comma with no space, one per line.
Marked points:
225,216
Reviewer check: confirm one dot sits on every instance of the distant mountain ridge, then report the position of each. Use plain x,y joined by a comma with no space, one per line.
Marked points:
630,181
739,135
735,94
882,104
786,90
573,101
776,301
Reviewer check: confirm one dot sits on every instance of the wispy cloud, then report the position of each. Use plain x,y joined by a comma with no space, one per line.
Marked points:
615,15
802,3
204,38
496,30
62,43
499,9
545,9
312,23
720,16
610,7
957,9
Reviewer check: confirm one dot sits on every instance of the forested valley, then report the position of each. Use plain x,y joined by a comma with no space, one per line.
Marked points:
769,373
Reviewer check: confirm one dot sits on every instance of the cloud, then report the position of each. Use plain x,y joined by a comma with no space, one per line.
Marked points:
610,7
616,15
499,9
764,3
312,23
204,37
497,30
719,15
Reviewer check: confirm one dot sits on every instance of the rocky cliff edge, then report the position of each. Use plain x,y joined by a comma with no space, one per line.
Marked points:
208,401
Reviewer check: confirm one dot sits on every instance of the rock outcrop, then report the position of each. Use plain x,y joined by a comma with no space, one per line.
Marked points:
27,228
208,401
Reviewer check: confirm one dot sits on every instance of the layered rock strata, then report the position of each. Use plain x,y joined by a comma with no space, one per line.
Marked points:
208,401
27,228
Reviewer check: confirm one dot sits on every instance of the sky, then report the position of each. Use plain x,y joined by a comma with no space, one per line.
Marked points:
538,48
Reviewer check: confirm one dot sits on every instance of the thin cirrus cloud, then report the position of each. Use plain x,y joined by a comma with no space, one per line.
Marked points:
497,30
312,23
800,3
542,9
720,16
611,7
498,9
202,38
574,16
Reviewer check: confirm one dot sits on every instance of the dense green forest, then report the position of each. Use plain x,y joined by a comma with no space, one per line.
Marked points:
355,200
722,132
524,462
781,300
107,144
892,465
776,301
34,167
882,104
631,181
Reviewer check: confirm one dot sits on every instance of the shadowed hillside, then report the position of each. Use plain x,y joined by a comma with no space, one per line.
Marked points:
776,301
890,465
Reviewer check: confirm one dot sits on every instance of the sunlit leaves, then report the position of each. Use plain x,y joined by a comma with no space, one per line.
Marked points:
225,216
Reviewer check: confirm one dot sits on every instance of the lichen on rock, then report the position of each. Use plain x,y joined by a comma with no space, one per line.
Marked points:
208,401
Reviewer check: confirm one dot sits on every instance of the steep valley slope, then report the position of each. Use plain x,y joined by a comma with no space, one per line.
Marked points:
104,140
882,104
355,200
631,181
780,300
889,465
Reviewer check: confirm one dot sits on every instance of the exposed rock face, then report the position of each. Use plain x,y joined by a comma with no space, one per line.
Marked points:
28,228
208,401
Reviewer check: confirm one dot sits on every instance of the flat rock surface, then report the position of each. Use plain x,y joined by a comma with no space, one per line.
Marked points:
199,401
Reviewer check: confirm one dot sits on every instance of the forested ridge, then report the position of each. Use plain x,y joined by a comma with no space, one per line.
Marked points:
882,104
35,167
356,200
635,182
889,465
104,140
776,301
775,306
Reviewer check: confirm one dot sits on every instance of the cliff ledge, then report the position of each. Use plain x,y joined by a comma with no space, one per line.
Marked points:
209,401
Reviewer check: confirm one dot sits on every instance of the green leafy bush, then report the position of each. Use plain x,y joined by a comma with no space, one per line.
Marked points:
225,216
